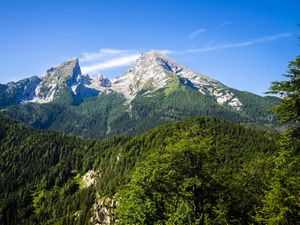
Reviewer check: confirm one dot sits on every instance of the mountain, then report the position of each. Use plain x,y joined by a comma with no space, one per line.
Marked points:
44,174
155,90
57,83
154,70
17,92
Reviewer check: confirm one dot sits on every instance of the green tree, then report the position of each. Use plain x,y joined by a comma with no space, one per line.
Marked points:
281,203
289,107
173,186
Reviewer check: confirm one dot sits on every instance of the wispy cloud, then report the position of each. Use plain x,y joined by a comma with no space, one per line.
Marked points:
103,53
239,44
196,33
108,58
116,62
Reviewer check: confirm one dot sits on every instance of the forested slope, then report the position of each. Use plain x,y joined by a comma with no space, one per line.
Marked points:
41,172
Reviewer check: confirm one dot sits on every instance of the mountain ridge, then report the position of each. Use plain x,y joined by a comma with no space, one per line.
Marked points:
153,69
155,90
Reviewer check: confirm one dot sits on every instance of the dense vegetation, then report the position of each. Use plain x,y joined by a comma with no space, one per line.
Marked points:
109,114
232,165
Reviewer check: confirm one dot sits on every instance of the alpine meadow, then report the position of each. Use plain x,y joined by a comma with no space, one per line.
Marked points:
153,141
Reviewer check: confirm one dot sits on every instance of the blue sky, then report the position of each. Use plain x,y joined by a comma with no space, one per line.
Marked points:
244,44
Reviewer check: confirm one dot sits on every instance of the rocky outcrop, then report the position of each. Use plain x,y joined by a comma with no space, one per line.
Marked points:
103,212
19,92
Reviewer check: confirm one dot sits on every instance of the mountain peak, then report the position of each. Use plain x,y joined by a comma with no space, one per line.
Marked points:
154,70
74,59
57,78
99,82
148,72
154,53
65,70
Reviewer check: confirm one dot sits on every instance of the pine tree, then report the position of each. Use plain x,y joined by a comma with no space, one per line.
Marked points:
281,204
289,107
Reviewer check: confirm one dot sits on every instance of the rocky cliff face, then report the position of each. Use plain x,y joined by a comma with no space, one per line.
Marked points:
66,76
103,211
18,92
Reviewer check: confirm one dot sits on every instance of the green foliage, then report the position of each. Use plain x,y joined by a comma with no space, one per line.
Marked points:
78,180
171,186
204,172
45,188
281,203
289,107
37,182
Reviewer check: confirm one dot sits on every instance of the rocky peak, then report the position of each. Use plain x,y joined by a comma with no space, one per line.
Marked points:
151,71
67,71
83,79
154,70
102,81
147,73
163,60
57,79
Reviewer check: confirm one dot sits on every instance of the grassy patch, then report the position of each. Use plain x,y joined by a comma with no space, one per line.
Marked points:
78,180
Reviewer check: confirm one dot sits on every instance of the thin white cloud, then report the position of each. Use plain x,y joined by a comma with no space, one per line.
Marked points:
196,33
107,58
240,44
116,62
103,53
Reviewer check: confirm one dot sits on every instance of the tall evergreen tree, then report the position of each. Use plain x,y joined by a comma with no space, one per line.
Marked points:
289,107
281,204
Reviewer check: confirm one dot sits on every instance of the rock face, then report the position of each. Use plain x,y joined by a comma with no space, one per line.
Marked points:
148,73
151,72
154,70
57,81
68,76
104,211
89,178
19,92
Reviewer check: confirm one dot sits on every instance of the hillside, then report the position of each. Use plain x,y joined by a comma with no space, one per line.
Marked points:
48,169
